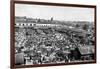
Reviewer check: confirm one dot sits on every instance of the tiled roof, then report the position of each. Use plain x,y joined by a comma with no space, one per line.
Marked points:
86,50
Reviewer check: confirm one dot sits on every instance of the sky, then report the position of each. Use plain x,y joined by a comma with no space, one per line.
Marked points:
57,12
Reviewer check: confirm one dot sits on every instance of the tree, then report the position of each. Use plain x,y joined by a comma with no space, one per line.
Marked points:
77,25
52,19
85,27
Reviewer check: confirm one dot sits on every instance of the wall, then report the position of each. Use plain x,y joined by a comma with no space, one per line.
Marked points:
5,35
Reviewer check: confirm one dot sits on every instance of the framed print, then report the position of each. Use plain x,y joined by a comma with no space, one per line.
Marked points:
51,34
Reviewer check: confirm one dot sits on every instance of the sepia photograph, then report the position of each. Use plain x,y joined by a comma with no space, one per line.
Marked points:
50,34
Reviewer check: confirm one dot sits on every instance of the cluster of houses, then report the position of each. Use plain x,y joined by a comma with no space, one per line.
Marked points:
50,43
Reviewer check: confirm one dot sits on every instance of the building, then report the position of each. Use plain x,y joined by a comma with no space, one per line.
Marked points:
83,53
